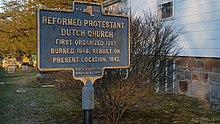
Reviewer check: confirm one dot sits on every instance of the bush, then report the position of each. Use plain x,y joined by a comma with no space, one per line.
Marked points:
153,49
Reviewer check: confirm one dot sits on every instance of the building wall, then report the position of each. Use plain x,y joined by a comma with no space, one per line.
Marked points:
200,20
199,77
139,6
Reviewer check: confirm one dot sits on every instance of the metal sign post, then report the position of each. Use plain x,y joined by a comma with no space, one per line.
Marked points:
88,102
84,40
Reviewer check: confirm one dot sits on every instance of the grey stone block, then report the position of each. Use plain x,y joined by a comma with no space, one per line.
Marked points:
188,75
217,70
215,77
206,92
198,89
195,89
215,93
203,77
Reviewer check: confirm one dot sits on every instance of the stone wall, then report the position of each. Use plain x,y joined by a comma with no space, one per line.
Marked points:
199,77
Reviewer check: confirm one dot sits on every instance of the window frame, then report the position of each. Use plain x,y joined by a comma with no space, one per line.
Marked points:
160,3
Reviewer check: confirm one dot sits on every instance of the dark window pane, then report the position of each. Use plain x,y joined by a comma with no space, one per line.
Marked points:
167,10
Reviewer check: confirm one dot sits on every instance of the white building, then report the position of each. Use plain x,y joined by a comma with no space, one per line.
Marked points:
199,18
199,72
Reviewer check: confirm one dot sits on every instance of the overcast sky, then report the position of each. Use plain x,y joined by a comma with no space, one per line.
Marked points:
0,5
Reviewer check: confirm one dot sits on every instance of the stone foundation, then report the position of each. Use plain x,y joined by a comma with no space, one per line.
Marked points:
199,77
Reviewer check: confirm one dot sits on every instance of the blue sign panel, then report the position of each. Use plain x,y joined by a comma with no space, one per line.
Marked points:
85,40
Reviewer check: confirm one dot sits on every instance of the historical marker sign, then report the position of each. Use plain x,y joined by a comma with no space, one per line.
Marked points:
83,40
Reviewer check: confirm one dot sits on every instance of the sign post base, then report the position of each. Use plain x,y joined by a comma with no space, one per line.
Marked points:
88,116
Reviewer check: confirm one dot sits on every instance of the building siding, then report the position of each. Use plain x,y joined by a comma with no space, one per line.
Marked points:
200,20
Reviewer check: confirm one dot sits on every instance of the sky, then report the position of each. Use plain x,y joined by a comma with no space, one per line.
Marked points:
1,5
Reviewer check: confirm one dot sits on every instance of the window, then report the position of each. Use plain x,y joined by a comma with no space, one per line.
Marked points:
165,10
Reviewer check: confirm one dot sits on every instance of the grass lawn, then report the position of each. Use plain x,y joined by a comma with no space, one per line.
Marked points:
23,101
174,109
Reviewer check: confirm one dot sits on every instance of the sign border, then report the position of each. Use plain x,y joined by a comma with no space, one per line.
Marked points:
72,10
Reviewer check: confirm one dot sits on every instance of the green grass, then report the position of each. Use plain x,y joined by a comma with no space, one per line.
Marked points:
48,105
36,104
174,109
